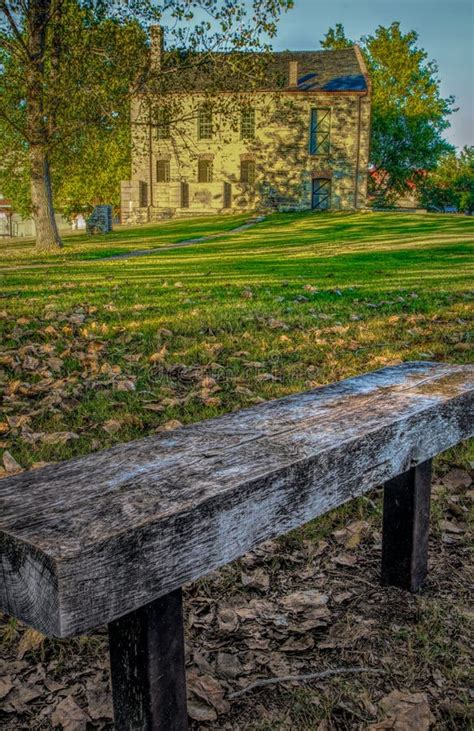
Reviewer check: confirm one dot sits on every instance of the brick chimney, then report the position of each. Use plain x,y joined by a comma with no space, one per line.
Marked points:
293,75
156,47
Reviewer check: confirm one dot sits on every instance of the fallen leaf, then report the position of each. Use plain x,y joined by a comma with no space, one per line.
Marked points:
457,478
125,385
10,463
99,701
6,685
404,712
200,711
300,644
451,527
258,579
345,559
59,437
300,601
209,690
69,716
227,619
31,639
112,426
159,356
171,424
229,665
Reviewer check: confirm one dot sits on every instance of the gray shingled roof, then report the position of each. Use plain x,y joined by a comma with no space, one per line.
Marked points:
337,70
323,70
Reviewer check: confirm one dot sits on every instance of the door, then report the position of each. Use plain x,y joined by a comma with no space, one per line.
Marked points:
321,198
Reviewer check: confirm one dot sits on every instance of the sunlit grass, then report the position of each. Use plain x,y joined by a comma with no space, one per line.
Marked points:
309,298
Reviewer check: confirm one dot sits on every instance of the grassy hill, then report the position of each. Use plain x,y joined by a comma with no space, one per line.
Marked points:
296,301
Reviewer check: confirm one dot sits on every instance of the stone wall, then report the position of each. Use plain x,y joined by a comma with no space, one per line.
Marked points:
283,165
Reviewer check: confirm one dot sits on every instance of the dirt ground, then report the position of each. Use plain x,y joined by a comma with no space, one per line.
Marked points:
304,604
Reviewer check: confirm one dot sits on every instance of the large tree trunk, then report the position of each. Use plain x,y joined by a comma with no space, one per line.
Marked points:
39,127
47,235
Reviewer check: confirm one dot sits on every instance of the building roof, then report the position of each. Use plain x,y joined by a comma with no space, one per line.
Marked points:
338,70
324,71
5,204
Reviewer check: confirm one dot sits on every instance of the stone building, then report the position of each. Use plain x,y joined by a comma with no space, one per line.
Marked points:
296,140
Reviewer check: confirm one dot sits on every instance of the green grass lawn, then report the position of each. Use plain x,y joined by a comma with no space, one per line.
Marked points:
95,352
297,301
78,245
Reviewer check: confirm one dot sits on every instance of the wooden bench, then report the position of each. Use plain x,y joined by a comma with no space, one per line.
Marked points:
112,537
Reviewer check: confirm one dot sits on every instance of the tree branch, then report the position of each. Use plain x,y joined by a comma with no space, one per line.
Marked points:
11,22
302,678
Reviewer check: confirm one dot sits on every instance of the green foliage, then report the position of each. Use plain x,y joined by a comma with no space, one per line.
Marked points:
68,69
85,101
336,38
451,183
408,113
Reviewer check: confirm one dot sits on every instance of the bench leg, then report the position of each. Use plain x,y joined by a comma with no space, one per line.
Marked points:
147,667
406,516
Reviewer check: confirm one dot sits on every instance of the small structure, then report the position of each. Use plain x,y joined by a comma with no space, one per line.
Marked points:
6,217
100,221
14,225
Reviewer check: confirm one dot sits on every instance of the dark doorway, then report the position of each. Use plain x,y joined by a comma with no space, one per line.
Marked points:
184,195
227,195
321,197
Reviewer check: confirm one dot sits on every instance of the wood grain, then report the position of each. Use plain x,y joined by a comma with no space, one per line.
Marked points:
147,667
89,540
406,524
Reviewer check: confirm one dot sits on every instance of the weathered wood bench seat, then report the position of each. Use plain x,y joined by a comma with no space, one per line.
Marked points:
112,537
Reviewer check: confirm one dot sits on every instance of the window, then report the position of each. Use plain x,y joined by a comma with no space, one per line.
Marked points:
162,171
247,123
143,194
319,131
247,171
163,125
205,123
204,171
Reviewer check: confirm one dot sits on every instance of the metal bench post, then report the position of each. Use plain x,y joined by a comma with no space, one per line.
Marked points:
147,667
406,517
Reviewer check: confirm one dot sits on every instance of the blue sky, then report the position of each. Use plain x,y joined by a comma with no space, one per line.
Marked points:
445,29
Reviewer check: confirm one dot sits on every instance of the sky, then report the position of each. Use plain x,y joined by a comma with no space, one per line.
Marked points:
445,29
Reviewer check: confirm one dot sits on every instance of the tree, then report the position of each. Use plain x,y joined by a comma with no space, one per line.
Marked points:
409,114
65,71
451,183
336,38
68,69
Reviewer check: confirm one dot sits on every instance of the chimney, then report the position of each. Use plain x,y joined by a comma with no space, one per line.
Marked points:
156,48
293,75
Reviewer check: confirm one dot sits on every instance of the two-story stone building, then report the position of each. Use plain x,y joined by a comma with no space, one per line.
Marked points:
300,140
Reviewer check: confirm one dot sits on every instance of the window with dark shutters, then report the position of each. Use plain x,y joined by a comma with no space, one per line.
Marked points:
143,194
184,195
